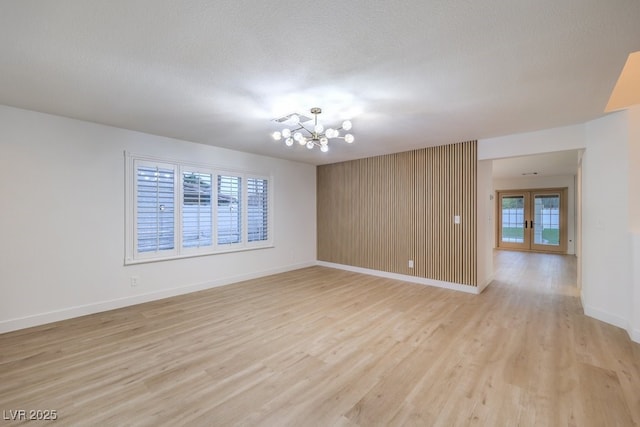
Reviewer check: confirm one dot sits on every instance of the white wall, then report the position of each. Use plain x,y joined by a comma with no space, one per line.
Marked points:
546,182
485,223
634,168
634,327
607,262
634,216
578,240
62,220
538,142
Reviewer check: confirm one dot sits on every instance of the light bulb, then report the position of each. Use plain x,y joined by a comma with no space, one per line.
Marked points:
346,125
295,118
289,142
286,133
324,140
349,138
297,136
309,145
276,136
330,133
302,141
318,128
324,148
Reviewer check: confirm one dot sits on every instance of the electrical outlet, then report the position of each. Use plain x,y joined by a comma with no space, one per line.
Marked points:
135,281
410,263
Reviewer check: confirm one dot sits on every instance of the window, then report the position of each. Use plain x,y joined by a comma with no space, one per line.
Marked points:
177,210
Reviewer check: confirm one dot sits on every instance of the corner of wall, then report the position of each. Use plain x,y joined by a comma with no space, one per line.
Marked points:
482,286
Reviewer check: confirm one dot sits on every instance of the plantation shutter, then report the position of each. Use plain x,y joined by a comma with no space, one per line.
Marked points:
257,209
155,208
197,211
229,209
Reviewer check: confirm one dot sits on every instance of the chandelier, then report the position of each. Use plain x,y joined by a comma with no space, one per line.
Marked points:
304,134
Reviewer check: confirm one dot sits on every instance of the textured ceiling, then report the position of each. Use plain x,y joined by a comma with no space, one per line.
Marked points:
410,73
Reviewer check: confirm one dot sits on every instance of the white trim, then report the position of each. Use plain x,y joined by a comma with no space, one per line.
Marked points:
83,310
198,254
406,278
487,282
603,316
612,319
195,164
179,251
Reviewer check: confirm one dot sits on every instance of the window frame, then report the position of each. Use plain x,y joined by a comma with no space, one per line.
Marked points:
132,256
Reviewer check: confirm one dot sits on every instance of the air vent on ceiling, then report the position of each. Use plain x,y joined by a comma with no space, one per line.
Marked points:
286,118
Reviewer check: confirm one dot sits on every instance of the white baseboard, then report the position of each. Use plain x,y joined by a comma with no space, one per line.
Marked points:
406,278
98,307
612,319
483,285
609,318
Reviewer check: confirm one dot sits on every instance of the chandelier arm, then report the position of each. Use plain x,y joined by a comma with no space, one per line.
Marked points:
303,127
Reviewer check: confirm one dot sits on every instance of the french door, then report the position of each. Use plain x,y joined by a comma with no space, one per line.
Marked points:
532,220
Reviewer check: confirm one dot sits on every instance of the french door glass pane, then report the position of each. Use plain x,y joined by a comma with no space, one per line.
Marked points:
546,225
512,219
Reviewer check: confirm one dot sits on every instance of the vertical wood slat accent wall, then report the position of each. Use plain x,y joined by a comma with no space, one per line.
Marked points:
380,212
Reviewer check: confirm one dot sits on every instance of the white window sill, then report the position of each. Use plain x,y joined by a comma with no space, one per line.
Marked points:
194,255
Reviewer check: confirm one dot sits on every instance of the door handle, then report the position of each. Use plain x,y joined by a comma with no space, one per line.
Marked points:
525,224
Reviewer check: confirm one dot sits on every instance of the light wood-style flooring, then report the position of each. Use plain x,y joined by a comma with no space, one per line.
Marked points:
322,347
